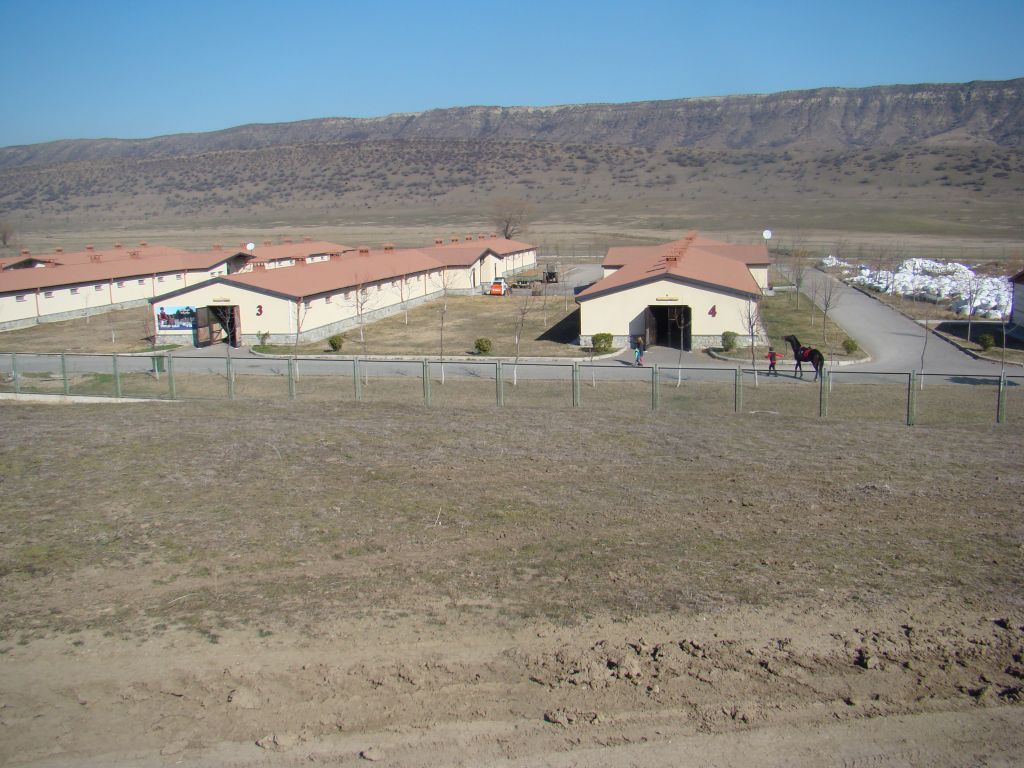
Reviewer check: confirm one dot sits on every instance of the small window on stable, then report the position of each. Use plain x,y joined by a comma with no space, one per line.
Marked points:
179,277
142,282
160,279
97,287
23,298
120,284
48,294
74,291
327,300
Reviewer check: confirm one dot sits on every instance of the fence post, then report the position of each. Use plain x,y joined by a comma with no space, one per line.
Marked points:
291,378
427,395
1001,399
738,394
231,377
575,384
64,373
499,383
172,392
117,375
911,398
14,373
357,380
655,393
824,385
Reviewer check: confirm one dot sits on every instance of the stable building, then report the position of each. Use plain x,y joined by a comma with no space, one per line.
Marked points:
308,291
683,294
64,285
1017,304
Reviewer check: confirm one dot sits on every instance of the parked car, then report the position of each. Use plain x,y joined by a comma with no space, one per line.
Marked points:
497,288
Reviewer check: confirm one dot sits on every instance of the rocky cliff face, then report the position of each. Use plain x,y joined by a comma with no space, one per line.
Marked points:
969,114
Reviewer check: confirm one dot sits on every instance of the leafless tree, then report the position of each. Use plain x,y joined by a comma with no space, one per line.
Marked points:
301,310
751,316
510,215
797,266
360,300
521,313
972,290
445,279
681,324
6,233
829,295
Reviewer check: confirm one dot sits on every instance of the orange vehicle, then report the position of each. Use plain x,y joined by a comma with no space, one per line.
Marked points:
497,288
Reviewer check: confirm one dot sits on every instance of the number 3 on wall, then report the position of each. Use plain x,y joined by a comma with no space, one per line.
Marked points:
259,310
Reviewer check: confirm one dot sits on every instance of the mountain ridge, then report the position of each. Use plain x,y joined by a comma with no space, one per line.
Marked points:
962,114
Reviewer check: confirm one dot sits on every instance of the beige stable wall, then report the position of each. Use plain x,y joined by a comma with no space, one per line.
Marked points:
258,311
11,309
621,313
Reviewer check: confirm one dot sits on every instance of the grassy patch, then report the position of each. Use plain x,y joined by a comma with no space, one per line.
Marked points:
550,326
402,506
790,313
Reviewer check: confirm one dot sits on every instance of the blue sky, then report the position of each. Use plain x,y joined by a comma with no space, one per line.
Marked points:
91,69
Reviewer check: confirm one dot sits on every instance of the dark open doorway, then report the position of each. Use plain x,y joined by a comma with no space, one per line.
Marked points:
218,324
670,326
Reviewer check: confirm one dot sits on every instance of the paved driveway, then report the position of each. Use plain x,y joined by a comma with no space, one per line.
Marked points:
894,341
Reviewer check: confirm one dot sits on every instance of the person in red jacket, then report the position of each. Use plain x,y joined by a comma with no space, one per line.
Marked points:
773,357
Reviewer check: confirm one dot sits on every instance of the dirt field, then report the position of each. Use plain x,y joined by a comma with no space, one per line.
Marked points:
265,583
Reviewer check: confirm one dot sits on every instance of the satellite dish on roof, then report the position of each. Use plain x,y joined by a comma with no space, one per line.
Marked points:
767,234
250,246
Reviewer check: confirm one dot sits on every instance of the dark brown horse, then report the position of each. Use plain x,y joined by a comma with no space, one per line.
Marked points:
804,354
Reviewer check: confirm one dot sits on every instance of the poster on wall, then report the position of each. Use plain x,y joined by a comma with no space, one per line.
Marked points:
175,318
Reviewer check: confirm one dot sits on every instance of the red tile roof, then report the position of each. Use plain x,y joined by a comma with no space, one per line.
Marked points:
149,260
692,259
296,250
462,254
349,270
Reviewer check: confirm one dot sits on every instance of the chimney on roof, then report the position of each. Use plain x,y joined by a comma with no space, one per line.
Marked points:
468,238
135,254
259,266
89,248
94,258
335,256
364,250
455,239
671,258
268,242
438,241
58,250
494,234
143,244
24,252
118,245
389,247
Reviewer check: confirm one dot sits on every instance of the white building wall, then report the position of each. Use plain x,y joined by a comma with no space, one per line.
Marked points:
622,313
1017,306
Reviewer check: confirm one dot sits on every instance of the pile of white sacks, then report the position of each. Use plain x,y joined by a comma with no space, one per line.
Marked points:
936,281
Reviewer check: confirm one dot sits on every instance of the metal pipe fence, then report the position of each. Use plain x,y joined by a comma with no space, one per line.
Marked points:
910,397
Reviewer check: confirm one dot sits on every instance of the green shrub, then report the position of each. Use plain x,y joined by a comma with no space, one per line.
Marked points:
602,343
850,346
729,340
263,336
987,341
483,346
336,342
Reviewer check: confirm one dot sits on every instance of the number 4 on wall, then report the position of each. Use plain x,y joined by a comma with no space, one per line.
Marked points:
713,311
